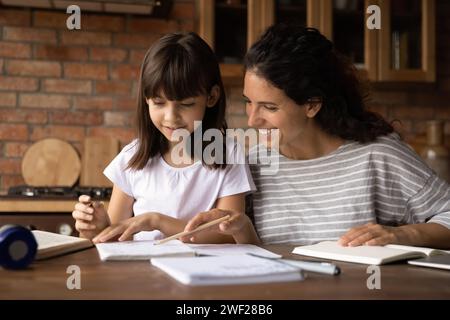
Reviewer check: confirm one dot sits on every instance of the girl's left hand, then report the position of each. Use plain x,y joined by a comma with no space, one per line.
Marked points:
127,228
370,234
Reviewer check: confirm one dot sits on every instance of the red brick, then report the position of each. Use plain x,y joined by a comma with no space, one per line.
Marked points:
236,107
135,40
39,100
50,19
14,50
10,166
14,132
11,181
76,118
108,54
126,103
68,133
113,87
182,11
51,52
29,34
93,22
86,71
388,97
20,115
8,99
1,66
86,38
187,26
159,26
411,112
125,72
137,56
18,83
33,68
125,135
118,119
93,103
15,149
67,86
10,17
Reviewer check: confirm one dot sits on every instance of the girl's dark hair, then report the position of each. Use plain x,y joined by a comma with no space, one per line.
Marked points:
179,65
303,63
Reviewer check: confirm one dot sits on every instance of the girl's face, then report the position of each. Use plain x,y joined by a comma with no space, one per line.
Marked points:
268,107
168,115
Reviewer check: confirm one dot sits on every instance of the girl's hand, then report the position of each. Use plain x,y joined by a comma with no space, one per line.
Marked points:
127,228
371,234
90,217
233,226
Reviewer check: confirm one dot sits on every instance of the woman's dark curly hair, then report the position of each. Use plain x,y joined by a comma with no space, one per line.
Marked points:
303,63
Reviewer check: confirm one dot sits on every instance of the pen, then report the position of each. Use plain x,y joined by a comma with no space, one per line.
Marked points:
318,267
188,233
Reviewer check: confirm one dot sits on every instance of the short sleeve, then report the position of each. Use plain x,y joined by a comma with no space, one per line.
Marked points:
117,171
237,178
431,203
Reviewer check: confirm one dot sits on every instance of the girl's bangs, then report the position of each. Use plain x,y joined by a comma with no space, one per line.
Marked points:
177,78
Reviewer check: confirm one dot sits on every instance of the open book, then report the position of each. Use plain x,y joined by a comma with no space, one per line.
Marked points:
142,250
55,244
374,255
224,270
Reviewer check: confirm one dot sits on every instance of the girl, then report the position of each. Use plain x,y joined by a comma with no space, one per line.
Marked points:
153,194
343,173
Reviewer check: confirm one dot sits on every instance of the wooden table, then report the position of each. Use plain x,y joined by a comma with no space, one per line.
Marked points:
139,280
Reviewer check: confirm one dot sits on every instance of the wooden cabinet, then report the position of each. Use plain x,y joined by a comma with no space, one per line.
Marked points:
402,50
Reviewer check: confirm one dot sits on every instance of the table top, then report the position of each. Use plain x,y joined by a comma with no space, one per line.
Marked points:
139,280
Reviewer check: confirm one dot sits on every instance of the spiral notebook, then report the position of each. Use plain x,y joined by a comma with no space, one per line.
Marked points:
227,270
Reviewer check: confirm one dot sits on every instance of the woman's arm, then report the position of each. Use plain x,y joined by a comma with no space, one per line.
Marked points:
430,234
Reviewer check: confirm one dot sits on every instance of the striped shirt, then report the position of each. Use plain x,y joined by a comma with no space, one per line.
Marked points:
384,182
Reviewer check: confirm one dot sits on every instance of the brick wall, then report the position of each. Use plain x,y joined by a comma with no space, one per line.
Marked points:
74,84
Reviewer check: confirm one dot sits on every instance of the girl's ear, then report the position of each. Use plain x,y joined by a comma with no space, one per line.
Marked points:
312,108
213,96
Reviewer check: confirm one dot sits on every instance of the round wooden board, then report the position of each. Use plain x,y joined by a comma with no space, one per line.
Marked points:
51,162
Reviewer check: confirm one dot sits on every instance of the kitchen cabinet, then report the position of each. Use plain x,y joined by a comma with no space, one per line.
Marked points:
403,49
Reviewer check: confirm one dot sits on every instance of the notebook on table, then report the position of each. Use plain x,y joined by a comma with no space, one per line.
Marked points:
227,270
55,244
439,261
142,250
373,255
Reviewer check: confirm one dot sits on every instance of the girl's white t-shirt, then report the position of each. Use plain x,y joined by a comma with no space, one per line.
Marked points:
177,192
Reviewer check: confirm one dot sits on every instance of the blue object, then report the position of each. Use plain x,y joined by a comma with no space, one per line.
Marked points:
18,247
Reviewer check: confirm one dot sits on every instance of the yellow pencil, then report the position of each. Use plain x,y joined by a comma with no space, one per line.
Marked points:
188,233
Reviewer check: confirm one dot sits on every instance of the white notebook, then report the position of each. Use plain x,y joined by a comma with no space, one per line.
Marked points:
227,270
142,250
373,255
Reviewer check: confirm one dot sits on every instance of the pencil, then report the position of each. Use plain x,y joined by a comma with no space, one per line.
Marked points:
199,228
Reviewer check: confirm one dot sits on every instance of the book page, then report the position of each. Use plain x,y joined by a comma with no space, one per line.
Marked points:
231,249
427,251
47,240
362,254
141,250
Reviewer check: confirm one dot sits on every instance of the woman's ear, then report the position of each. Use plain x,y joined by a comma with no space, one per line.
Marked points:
313,107
213,96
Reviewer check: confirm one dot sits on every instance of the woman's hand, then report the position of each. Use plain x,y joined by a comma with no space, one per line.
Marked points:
127,228
90,217
237,225
371,234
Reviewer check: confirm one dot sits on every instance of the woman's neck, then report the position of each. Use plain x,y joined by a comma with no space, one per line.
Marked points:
314,145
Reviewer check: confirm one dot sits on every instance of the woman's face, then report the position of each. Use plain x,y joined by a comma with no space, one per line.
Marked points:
268,107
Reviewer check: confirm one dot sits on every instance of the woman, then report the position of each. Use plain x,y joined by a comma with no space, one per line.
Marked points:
343,172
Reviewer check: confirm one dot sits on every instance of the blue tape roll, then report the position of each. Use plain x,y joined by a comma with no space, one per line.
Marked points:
18,247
